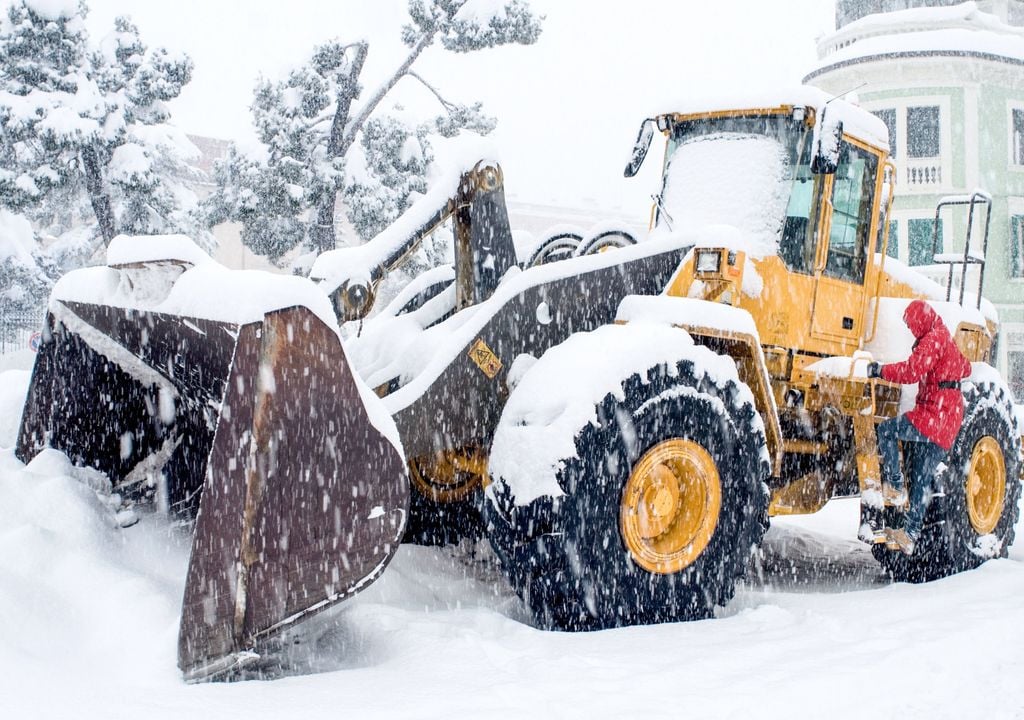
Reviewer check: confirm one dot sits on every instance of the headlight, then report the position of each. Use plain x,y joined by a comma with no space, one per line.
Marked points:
709,261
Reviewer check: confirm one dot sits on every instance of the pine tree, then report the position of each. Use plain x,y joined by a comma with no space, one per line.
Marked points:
86,137
319,141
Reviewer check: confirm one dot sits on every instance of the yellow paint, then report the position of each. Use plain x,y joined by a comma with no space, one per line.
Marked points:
670,506
802,496
986,485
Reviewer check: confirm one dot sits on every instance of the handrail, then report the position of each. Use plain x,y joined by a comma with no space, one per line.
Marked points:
978,196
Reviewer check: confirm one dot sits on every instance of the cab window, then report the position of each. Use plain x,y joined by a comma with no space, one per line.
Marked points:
853,188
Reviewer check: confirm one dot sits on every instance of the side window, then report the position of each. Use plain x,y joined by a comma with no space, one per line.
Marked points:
921,246
853,191
796,247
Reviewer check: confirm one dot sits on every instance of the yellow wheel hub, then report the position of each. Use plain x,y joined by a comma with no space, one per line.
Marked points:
670,506
986,485
449,476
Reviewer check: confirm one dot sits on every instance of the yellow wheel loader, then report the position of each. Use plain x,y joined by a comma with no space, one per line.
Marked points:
620,418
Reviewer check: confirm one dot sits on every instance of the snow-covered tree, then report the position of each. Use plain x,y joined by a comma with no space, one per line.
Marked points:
85,137
320,137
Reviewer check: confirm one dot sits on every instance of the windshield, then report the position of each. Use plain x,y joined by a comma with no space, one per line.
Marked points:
744,172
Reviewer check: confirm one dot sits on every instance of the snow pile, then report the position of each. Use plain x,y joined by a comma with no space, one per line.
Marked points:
73,600
91,617
558,395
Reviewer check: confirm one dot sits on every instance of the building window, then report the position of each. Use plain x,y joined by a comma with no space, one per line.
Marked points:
920,243
923,132
1018,136
888,116
893,250
1017,246
1015,368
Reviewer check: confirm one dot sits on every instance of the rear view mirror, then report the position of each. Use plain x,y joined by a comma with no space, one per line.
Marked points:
640,147
827,138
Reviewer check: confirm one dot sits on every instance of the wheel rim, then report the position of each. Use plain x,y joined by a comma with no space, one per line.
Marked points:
986,485
670,506
448,476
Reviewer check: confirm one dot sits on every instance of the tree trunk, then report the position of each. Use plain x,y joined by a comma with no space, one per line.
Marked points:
322,234
343,133
98,196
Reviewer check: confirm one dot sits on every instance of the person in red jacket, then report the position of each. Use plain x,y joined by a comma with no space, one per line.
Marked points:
929,429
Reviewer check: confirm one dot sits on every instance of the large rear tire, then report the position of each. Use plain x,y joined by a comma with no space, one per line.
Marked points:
663,506
972,515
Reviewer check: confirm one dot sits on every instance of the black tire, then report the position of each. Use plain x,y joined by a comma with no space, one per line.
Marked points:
560,246
442,523
567,557
949,542
606,240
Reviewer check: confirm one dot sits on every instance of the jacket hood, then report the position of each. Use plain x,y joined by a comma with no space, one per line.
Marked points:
920,318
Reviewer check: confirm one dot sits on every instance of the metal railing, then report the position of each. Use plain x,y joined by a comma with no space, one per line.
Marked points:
19,330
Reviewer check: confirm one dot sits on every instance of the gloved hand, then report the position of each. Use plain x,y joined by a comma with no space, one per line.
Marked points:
874,370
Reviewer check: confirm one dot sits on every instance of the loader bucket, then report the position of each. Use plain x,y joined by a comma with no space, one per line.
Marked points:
261,426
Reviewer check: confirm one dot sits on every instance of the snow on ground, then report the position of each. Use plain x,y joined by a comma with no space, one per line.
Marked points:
89,621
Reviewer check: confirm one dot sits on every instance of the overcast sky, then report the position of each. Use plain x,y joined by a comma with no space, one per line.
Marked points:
568,107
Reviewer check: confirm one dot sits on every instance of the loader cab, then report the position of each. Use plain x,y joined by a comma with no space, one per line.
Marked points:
807,219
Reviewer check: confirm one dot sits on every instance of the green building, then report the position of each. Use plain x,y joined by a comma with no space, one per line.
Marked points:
948,81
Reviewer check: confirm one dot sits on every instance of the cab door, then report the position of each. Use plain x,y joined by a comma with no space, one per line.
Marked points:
842,262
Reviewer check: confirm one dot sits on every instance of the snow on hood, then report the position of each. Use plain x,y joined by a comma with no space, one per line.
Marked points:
730,180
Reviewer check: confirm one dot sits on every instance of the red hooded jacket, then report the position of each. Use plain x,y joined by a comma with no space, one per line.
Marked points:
938,412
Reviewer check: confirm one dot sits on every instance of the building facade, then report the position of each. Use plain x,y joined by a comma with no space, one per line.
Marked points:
948,81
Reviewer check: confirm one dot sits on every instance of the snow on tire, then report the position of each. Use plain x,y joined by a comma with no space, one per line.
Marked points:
972,515
657,510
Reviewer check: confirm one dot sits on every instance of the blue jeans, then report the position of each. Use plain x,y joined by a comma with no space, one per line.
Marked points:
923,457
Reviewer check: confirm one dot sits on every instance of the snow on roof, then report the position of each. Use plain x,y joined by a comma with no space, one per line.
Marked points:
132,249
957,29
856,121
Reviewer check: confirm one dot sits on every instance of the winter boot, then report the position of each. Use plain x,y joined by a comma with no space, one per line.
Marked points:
899,540
895,496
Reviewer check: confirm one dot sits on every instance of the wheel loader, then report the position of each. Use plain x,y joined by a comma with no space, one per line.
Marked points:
620,418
